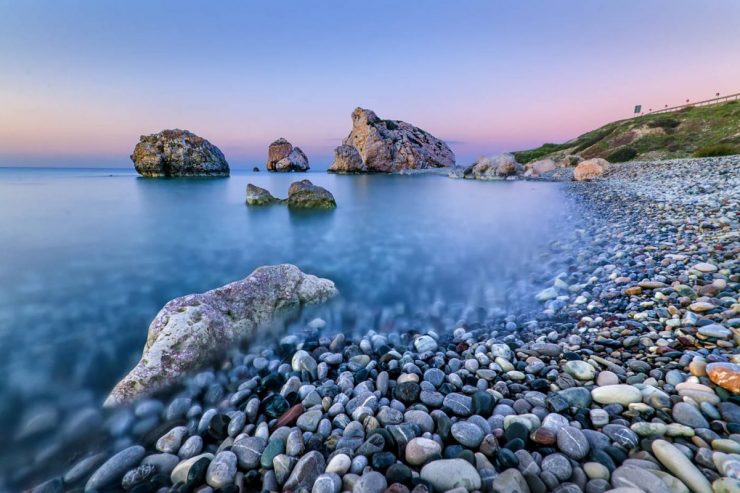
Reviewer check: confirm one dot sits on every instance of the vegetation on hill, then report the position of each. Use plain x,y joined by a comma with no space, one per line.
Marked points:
693,131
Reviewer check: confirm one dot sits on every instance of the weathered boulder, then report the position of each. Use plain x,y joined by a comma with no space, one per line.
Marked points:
305,195
390,146
190,331
494,167
347,160
259,196
537,168
296,160
276,151
178,153
590,169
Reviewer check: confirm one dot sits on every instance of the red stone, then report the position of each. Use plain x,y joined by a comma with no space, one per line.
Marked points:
290,416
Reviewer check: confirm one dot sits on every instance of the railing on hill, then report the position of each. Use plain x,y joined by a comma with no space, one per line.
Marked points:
706,102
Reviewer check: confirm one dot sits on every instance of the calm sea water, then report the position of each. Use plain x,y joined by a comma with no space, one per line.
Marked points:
87,258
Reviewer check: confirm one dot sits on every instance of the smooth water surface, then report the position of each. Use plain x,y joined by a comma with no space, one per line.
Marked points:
89,256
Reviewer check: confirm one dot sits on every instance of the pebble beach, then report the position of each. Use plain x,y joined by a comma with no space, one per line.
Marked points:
625,377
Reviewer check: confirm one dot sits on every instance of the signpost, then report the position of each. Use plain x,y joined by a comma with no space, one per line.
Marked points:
638,109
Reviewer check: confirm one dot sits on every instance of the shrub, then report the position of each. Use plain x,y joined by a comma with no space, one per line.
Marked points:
664,122
622,154
591,138
716,150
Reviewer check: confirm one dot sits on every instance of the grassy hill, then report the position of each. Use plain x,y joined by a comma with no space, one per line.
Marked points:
693,131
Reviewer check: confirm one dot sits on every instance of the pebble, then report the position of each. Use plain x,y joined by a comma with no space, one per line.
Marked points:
420,450
676,462
616,394
446,474
114,468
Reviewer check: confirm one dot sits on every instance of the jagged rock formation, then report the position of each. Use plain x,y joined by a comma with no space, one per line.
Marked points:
191,330
391,146
178,153
347,160
283,157
305,195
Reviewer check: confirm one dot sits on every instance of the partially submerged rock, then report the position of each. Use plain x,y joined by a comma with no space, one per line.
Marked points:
192,330
347,160
590,169
259,196
305,195
283,157
494,167
178,153
390,146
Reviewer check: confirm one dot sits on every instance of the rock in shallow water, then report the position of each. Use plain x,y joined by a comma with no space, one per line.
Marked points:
189,331
305,195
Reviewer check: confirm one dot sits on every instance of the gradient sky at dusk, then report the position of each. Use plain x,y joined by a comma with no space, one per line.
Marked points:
81,80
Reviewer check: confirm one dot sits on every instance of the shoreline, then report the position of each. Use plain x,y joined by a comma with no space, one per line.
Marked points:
505,404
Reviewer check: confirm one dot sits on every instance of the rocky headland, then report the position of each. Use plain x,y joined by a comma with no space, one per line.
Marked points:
178,153
627,379
388,146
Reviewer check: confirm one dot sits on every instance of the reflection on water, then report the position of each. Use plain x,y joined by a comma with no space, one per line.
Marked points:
89,257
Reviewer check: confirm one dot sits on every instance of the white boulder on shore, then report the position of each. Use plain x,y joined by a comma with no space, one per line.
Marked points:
590,169
188,332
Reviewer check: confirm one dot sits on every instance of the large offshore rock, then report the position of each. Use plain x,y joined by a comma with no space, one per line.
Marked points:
178,153
283,157
391,146
305,195
347,160
191,330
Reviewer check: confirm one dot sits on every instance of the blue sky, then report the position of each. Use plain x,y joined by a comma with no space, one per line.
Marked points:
81,80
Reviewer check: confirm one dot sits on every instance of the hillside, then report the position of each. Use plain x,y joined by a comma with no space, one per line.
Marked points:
692,131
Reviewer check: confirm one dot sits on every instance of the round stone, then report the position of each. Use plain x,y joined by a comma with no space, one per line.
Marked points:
580,370
726,375
114,468
572,442
616,394
688,415
467,434
421,450
221,470
447,474
370,482
558,465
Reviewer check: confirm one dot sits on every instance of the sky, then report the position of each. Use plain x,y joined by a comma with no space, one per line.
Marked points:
80,81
